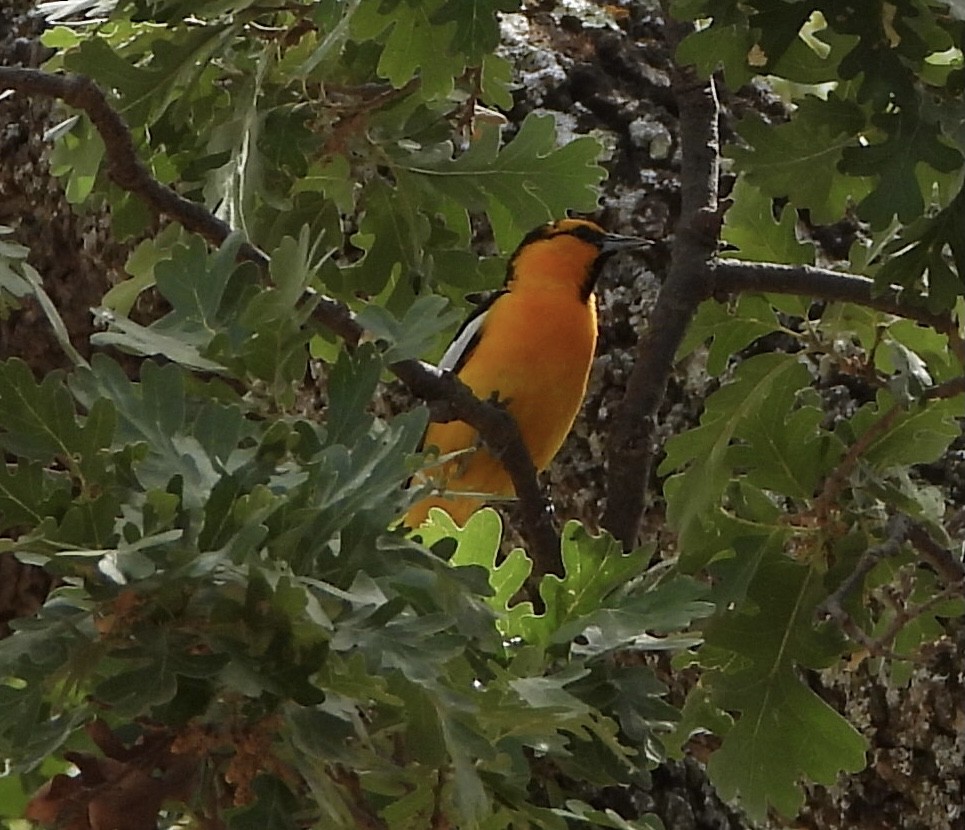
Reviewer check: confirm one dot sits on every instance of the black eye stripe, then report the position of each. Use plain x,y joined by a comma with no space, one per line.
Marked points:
587,234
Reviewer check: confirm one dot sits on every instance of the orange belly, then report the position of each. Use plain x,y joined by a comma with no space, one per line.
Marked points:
541,371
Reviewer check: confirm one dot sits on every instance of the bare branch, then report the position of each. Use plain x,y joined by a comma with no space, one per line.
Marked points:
949,389
497,427
630,447
732,275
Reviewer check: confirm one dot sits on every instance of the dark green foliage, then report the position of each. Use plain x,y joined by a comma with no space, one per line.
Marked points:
772,493
222,522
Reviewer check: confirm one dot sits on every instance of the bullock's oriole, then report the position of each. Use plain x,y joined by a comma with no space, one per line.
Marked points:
531,345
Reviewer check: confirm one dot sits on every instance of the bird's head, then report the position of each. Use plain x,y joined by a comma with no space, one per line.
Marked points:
566,254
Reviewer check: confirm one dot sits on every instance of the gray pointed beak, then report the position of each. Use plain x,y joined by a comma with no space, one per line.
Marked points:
614,242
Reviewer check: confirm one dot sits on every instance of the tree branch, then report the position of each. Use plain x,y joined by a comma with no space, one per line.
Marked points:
497,427
630,447
833,606
734,275
501,434
123,164
696,273
948,566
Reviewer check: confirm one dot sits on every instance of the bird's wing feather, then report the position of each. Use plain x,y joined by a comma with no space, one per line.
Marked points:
468,335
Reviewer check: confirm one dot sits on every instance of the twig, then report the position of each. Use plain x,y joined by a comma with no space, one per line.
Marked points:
948,389
497,428
630,446
365,817
835,482
949,567
439,820
901,529
898,528
833,606
880,646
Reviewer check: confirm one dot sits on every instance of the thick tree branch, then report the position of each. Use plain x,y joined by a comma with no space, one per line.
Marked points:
734,275
631,439
696,273
497,427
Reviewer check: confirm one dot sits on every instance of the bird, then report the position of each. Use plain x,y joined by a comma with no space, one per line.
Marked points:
529,346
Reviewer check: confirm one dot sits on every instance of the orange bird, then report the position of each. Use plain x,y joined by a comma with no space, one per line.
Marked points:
531,344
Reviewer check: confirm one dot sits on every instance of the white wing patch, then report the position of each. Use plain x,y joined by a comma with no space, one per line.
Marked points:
457,349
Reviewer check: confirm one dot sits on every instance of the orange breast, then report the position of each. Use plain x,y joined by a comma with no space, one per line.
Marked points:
535,351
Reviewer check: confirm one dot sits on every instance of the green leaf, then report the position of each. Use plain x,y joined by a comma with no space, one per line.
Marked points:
750,225
353,380
415,41
495,82
28,494
909,141
471,799
918,436
476,25
140,265
699,716
593,568
722,44
13,797
785,731
584,814
477,544
521,185
78,156
800,159
783,448
34,280
12,281
412,336
423,727
729,328
393,233
331,176
147,90
39,421
194,283
147,341
644,622
153,412
132,692
761,381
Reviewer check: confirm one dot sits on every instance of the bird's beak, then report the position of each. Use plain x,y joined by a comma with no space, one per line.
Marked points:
614,242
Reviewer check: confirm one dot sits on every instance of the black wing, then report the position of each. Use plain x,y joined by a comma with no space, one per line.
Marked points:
469,333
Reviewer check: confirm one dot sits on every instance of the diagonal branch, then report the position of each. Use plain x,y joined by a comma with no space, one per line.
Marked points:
630,447
497,427
123,164
501,434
